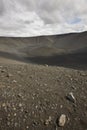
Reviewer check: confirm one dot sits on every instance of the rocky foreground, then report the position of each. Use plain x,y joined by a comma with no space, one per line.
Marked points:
42,97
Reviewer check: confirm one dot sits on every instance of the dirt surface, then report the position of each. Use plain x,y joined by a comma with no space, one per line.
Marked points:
43,83
33,97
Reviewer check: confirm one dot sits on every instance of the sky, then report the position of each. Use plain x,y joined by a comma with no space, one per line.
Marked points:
42,17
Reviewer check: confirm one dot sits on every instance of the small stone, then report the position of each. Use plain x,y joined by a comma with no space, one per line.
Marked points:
8,87
71,79
14,81
46,65
47,122
24,120
8,123
9,75
3,105
0,119
33,112
83,74
19,72
61,106
35,123
36,106
22,109
19,95
71,97
27,127
20,105
62,120
45,84
26,111
9,115
15,124
73,87
31,76
15,114
14,108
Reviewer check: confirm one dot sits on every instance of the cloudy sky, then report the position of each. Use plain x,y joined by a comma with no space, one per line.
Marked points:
42,17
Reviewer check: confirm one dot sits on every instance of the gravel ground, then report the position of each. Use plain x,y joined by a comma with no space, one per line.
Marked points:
33,97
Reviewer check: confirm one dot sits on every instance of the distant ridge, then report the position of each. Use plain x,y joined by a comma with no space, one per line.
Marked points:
25,47
47,35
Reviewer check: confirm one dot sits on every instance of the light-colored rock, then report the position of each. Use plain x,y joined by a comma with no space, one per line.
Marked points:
20,104
62,120
61,106
3,105
27,127
15,114
46,65
14,81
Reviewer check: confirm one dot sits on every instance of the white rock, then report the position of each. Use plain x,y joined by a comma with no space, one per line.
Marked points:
62,120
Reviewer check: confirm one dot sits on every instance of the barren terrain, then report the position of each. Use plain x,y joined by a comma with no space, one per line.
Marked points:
36,77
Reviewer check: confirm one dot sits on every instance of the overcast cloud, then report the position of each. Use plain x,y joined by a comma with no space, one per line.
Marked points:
41,17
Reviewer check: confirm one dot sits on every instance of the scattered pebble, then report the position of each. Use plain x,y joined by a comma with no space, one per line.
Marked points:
45,84
15,114
14,81
15,124
22,109
47,122
3,105
83,74
8,123
46,65
19,72
31,76
27,127
9,115
14,108
61,106
71,97
73,87
9,75
35,123
20,105
19,95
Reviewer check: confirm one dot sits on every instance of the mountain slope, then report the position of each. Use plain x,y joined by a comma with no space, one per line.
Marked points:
42,46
